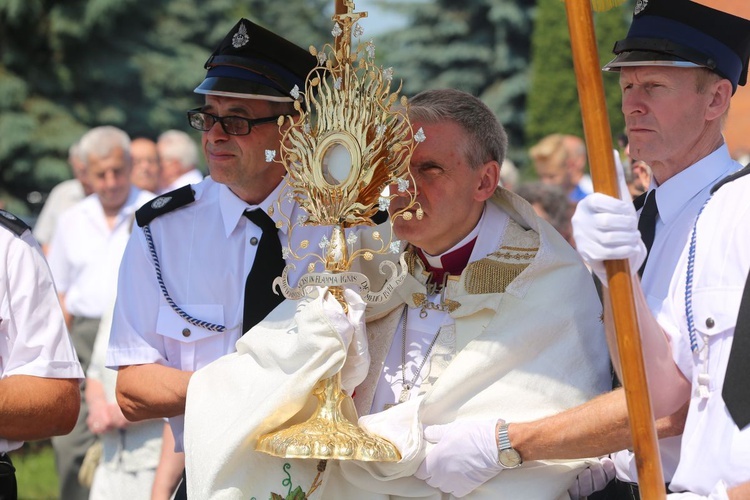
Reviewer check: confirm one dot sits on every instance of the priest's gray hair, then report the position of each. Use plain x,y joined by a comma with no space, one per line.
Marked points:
487,138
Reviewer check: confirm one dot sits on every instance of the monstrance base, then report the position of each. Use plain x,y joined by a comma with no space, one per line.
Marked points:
328,440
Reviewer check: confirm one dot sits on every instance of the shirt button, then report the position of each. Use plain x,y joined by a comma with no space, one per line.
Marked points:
710,323
186,332
253,241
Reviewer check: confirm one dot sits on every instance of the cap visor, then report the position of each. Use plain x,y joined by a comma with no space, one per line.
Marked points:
647,58
240,89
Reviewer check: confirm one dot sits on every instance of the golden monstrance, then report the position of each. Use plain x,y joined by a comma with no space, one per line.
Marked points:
348,143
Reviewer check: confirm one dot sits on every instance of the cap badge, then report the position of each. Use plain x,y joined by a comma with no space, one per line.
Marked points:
160,202
240,38
640,6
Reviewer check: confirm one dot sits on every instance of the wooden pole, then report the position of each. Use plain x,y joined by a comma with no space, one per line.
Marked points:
601,160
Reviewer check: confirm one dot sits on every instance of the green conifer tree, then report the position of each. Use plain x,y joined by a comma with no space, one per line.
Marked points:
68,66
479,46
553,105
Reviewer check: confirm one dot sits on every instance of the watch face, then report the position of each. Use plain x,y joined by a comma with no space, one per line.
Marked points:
509,458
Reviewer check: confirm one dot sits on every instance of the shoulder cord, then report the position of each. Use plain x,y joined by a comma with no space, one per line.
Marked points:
703,376
195,322
689,281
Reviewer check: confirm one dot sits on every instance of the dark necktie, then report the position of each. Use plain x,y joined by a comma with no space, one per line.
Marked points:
647,225
260,298
736,391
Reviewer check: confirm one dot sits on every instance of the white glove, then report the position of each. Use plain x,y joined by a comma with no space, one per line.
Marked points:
464,456
605,228
351,328
593,478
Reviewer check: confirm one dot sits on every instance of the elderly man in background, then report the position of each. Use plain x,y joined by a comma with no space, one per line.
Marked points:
178,155
84,258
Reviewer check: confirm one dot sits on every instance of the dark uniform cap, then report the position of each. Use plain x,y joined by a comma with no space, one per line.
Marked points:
254,63
688,34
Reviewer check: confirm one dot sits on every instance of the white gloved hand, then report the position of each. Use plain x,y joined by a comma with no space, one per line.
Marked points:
351,328
464,456
593,478
605,228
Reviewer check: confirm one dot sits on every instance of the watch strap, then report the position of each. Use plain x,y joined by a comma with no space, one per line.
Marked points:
503,441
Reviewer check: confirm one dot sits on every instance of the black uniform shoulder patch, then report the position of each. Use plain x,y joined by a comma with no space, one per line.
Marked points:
10,221
729,178
164,204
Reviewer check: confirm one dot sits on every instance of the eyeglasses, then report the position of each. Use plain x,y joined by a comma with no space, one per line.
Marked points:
232,125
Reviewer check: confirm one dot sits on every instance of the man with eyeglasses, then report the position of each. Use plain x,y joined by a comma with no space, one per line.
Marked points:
198,250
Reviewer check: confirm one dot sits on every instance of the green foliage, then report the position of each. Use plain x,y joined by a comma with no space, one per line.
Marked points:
304,22
612,26
296,494
479,46
553,97
68,66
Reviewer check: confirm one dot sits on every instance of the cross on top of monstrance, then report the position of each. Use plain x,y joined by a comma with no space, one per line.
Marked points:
349,141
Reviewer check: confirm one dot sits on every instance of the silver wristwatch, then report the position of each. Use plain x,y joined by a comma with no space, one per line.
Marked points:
507,456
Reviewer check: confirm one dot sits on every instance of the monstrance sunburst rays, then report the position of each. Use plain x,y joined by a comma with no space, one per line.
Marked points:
351,117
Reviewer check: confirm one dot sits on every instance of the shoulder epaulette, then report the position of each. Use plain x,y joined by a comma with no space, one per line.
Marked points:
740,173
163,204
13,223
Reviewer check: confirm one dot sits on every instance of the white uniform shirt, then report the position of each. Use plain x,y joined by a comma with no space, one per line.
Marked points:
33,337
715,453
205,251
679,200
85,253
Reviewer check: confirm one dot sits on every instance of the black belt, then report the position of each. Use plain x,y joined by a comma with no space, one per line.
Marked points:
626,491
620,490
8,488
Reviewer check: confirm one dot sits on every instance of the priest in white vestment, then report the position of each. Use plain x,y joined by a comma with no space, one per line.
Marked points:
498,321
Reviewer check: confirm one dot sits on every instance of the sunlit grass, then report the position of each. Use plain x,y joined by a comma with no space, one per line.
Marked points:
35,471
